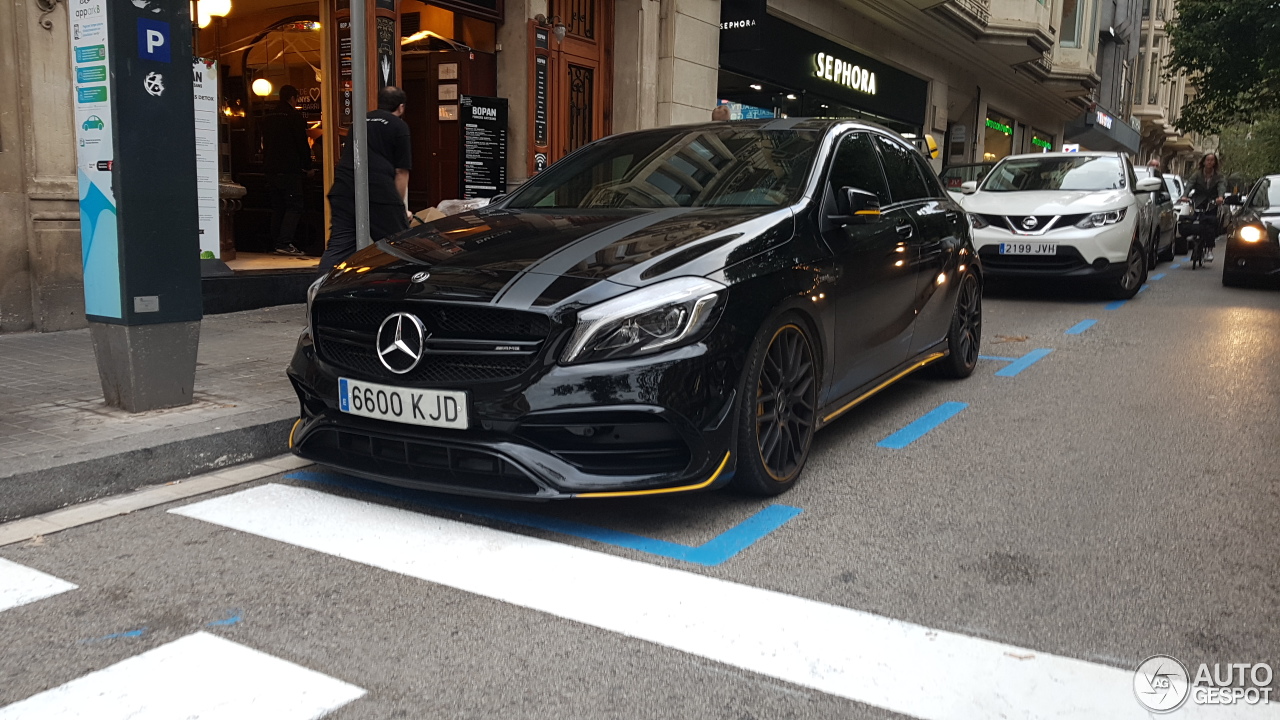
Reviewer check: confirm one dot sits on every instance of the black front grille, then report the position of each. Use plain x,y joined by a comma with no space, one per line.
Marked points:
418,460
1005,222
609,442
1067,259
346,336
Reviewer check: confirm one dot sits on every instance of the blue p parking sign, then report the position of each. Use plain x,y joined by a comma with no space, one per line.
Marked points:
153,40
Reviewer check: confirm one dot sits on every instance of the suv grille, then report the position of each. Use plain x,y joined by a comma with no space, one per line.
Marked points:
346,336
1005,222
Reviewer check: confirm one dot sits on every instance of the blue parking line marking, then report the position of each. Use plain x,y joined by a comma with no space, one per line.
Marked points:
924,424
1144,288
711,553
1081,327
1159,276
1175,266
1115,305
997,358
1023,362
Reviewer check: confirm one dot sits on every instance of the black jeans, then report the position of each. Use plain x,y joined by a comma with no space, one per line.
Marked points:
286,207
384,220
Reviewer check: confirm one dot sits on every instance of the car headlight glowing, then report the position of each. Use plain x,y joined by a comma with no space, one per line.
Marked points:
1102,219
645,320
1251,233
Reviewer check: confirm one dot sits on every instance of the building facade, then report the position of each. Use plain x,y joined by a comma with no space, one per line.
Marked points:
984,78
1158,100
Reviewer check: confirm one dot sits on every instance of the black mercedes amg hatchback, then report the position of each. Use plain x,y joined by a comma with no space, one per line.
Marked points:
660,311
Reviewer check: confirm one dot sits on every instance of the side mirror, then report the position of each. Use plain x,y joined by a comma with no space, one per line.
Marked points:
1233,199
1149,184
970,187
856,206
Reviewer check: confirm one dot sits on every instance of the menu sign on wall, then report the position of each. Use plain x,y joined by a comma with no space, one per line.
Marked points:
205,85
95,154
484,146
540,71
386,51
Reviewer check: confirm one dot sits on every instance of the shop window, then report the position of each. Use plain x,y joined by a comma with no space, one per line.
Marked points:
997,138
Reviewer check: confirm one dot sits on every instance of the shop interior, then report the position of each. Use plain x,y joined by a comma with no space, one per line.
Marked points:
751,98
262,45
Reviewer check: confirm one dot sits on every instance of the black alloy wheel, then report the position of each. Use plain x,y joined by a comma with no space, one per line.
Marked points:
1135,273
964,339
779,411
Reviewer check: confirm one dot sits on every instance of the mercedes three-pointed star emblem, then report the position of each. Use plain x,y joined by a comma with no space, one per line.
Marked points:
402,339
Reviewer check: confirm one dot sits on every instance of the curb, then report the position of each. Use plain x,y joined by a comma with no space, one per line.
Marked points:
45,489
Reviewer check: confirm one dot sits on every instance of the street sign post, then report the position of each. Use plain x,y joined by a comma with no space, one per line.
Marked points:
135,133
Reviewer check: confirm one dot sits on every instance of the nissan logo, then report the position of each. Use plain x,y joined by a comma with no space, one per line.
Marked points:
402,338
1029,223
420,277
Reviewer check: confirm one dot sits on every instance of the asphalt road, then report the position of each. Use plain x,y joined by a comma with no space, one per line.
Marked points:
1118,498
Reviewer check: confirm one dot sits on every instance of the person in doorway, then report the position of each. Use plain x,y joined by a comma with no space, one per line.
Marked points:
389,160
720,112
286,160
1205,190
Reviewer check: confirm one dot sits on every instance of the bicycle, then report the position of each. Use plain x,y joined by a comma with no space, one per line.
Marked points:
1200,235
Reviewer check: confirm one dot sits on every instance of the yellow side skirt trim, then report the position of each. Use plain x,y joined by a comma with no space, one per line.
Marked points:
932,358
293,430
684,488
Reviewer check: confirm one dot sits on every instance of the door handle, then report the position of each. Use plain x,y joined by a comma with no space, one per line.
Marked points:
905,230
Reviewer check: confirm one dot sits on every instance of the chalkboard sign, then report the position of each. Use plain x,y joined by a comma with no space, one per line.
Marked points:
345,98
483,121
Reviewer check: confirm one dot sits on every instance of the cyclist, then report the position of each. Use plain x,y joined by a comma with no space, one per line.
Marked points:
1208,186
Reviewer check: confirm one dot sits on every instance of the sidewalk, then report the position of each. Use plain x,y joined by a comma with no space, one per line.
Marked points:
61,444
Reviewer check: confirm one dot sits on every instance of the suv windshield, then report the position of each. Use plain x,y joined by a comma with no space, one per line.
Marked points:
730,167
1060,173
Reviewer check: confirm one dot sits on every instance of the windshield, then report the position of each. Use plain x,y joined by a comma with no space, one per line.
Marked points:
730,167
1267,194
1061,173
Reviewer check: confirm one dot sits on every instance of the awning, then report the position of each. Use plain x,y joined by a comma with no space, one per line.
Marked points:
1099,130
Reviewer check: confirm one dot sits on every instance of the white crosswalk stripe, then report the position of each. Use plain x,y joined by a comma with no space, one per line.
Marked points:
891,664
20,585
198,676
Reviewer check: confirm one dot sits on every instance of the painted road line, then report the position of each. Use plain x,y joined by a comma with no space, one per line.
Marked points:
713,552
917,429
1023,362
1081,327
1144,288
1159,276
997,358
895,665
20,585
197,676
1175,266
1115,305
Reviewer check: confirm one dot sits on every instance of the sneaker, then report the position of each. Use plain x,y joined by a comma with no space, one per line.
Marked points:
289,250
1208,256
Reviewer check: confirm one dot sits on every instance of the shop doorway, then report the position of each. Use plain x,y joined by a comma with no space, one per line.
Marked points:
583,95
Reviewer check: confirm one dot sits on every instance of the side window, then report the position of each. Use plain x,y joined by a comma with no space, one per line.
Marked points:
1261,196
855,165
905,181
931,182
1133,178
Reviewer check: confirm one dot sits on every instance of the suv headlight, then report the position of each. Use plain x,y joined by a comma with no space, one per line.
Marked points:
645,320
977,222
1097,220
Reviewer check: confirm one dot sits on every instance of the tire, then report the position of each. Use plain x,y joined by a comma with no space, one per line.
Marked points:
1135,273
964,339
781,375
1232,279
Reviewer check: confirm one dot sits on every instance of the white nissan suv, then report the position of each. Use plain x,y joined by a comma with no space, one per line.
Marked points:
1063,215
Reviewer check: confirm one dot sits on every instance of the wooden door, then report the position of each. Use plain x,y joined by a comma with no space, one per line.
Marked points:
582,74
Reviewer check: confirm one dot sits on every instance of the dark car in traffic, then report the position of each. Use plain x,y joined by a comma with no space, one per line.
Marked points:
660,311
1252,249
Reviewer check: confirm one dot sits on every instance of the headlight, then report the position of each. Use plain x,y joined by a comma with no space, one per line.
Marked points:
1251,233
977,221
645,321
1097,220
312,290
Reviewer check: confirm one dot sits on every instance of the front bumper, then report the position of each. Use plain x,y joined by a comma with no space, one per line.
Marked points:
1260,259
650,425
1094,254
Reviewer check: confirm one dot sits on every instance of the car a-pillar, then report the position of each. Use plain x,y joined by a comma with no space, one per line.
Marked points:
132,69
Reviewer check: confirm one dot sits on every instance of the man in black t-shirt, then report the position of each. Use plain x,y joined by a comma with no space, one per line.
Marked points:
389,164
286,159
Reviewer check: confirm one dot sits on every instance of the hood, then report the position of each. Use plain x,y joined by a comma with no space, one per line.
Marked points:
1046,202
525,258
